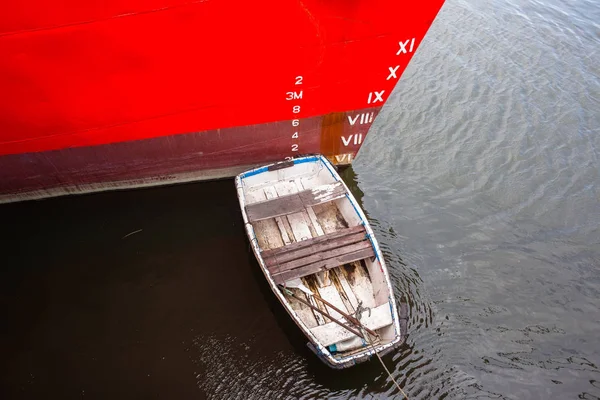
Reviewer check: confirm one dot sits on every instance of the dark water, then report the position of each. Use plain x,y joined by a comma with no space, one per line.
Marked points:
482,175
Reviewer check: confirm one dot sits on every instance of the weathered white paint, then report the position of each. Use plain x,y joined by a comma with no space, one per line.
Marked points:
332,333
271,194
372,290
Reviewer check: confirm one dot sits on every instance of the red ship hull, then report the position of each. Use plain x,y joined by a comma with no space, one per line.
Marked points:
134,93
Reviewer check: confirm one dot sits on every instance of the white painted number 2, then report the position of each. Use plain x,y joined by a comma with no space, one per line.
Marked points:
294,147
299,80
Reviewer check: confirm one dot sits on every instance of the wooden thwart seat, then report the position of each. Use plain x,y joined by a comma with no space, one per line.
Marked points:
295,202
317,254
277,252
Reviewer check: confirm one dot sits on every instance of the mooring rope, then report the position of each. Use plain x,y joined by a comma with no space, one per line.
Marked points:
358,314
361,329
366,335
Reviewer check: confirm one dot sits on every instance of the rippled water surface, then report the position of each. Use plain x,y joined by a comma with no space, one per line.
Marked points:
481,179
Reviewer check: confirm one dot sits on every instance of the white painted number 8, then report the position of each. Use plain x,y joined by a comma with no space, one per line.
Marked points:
296,109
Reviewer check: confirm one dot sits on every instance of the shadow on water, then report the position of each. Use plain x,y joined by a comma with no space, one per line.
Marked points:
102,294
156,293
350,179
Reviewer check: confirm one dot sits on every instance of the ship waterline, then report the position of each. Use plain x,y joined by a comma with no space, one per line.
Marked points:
173,159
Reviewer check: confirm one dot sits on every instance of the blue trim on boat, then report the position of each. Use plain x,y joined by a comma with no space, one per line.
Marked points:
326,162
266,168
364,223
355,209
305,160
254,172
370,237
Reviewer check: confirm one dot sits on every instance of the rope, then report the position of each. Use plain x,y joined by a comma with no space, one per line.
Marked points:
366,335
358,313
360,309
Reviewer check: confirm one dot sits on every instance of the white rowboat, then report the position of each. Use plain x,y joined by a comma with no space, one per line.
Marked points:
320,258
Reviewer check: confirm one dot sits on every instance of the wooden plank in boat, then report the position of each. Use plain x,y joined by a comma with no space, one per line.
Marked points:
323,265
320,256
330,294
340,281
311,242
271,194
296,202
304,312
322,277
299,221
266,231
310,211
278,259
362,284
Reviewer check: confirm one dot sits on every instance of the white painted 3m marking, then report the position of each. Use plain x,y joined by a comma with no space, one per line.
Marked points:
293,95
403,45
392,72
357,139
378,97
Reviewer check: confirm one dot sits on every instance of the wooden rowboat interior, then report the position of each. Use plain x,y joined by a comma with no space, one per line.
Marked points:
310,233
